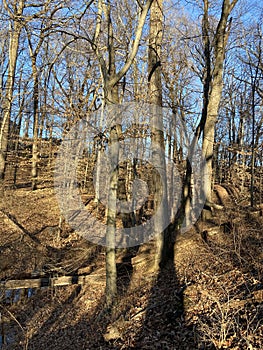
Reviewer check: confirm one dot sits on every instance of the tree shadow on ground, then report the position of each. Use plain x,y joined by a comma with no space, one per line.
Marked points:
164,324
125,270
66,326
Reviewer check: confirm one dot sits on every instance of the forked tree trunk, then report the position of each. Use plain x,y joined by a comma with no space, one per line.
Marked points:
110,79
213,88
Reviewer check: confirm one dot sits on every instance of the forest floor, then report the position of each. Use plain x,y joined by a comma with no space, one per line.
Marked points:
210,297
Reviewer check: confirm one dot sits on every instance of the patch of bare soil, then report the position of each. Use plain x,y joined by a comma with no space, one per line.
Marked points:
209,298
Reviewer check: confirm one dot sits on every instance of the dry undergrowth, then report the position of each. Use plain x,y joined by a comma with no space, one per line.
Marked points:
210,298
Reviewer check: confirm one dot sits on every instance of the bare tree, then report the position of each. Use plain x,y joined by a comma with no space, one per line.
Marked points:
47,25
213,85
111,77
254,67
15,13
158,146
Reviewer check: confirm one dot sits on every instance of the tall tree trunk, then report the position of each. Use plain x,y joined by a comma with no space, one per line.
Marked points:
215,89
110,79
111,270
254,83
15,26
35,73
240,142
34,169
111,98
158,146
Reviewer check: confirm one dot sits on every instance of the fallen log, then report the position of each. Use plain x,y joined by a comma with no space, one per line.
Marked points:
51,281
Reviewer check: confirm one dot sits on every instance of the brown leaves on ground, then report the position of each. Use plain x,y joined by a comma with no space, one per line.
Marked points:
209,298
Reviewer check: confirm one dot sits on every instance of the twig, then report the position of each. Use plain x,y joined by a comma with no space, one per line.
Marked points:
20,227
19,324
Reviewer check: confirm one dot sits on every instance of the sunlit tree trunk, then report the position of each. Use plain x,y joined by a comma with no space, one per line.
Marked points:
15,26
21,103
111,97
34,169
254,72
158,146
213,89
34,52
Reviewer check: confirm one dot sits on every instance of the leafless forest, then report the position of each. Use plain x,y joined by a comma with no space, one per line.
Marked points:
131,174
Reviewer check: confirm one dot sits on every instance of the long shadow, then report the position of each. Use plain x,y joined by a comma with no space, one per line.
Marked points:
40,340
125,270
165,326
88,331
41,302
